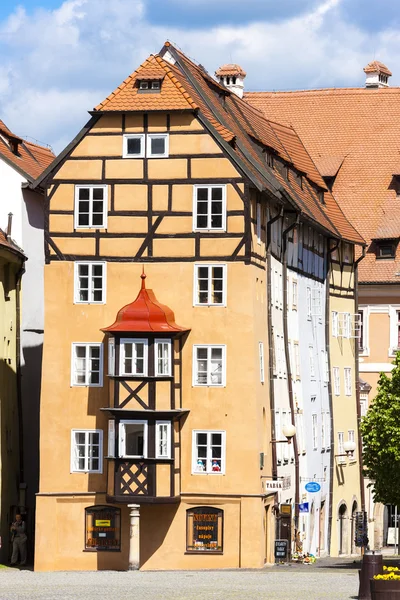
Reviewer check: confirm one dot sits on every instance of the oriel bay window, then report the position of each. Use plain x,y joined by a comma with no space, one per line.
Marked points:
87,365
90,206
209,365
162,359
141,357
163,439
209,210
133,439
208,452
210,285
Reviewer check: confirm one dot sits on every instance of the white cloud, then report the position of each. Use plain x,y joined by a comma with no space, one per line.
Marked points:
57,64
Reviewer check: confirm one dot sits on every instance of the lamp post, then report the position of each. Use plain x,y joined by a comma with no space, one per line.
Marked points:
289,431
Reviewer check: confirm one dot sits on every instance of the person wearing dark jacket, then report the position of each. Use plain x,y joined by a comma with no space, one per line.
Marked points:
18,541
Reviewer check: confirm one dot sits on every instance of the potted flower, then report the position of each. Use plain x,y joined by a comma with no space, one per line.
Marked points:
386,586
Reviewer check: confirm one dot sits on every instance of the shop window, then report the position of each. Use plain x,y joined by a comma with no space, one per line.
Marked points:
204,529
103,529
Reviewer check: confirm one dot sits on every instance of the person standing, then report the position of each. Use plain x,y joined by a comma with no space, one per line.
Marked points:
18,541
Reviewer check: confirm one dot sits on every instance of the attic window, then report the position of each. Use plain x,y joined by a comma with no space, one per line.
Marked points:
321,196
383,78
269,159
386,250
150,85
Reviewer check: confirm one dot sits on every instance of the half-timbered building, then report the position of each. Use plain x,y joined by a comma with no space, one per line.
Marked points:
158,443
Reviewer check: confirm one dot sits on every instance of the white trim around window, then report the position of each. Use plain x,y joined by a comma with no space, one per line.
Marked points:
142,143
347,381
261,357
209,284
207,214
87,364
144,147
209,365
90,282
86,451
133,357
138,442
336,381
111,356
162,357
91,206
163,439
153,137
208,452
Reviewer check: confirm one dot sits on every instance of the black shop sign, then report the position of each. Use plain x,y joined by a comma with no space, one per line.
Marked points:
204,529
281,550
103,528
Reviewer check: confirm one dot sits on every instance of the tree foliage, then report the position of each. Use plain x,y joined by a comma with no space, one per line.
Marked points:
380,430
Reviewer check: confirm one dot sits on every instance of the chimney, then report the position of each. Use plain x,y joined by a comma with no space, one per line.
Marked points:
9,226
232,77
377,75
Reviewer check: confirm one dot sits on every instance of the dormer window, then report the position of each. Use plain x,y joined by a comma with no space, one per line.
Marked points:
386,250
321,196
150,85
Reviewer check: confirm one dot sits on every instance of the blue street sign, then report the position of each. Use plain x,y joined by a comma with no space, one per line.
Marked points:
303,508
313,486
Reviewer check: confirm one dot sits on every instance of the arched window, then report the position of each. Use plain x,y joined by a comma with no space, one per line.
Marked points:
204,529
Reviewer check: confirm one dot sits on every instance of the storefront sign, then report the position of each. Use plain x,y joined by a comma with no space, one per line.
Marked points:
273,486
303,507
281,550
103,528
204,529
361,533
312,487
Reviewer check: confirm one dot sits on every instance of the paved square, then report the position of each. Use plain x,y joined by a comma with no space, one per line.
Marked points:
285,583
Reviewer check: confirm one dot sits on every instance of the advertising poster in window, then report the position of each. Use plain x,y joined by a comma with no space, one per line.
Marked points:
103,528
204,529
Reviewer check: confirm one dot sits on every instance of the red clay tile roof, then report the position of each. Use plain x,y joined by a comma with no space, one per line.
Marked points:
10,244
31,159
127,97
375,65
230,70
358,129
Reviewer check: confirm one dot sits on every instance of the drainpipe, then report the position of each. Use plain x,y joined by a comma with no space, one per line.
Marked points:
271,341
18,278
328,353
289,372
357,374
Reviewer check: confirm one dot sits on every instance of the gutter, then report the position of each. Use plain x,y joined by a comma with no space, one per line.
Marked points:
289,372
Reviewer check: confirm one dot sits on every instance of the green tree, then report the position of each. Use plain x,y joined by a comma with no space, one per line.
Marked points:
380,430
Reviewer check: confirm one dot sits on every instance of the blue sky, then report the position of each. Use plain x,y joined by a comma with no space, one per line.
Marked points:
59,59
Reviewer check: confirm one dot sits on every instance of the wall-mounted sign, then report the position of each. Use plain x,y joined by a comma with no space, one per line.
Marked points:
285,509
204,529
361,529
103,528
273,486
312,487
281,550
304,508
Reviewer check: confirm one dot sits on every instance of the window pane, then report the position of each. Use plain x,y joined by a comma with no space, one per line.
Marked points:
201,222
157,145
97,296
83,219
83,270
134,439
79,437
134,145
216,221
202,194
84,194
216,439
216,194
98,194
97,220
201,438
97,270
84,207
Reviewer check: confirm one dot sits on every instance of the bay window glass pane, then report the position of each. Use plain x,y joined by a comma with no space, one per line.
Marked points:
134,439
139,347
128,356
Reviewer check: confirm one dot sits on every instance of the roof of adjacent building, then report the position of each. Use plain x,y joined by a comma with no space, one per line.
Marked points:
376,66
231,69
29,159
145,315
10,245
353,135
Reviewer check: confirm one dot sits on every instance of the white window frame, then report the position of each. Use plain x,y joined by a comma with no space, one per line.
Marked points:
126,137
209,187
210,267
364,330
313,374
90,266
348,381
345,325
168,343
158,454
336,380
73,468
121,438
335,323
314,427
327,417
223,375
208,470
323,431
296,348
278,435
111,438
87,346
276,288
351,436
294,294
309,303
341,459
91,187
393,322
325,366
134,341
261,357
151,136
363,404
111,357
258,222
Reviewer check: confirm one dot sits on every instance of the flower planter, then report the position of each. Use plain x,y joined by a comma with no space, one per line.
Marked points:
385,589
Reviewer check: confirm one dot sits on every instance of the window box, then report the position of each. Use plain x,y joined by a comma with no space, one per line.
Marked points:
209,366
90,283
209,207
87,365
209,285
208,452
86,451
91,206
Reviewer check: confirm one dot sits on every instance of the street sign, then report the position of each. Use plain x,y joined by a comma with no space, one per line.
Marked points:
303,507
361,529
281,550
312,487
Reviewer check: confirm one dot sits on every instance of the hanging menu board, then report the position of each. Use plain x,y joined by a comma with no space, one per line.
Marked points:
204,529
103,528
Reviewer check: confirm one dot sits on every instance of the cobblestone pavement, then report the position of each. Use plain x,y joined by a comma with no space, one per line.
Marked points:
286,583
